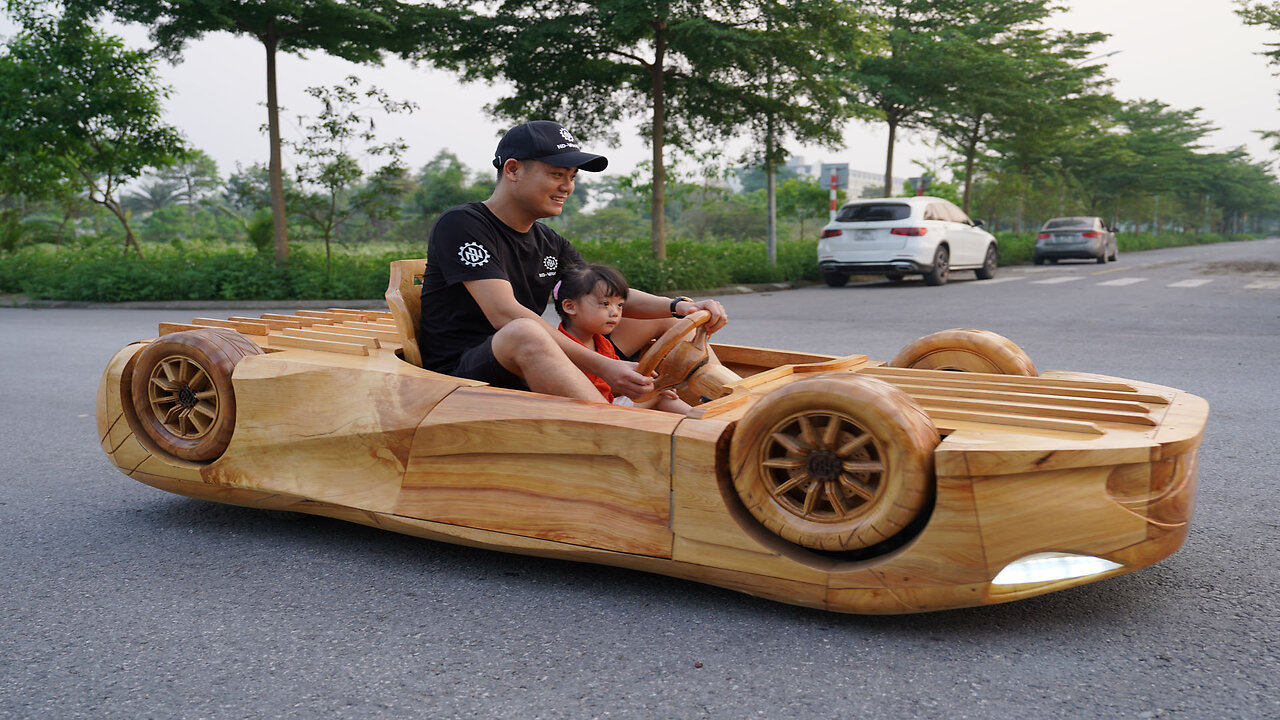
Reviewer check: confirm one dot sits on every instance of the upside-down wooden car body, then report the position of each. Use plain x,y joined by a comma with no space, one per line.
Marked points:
831,482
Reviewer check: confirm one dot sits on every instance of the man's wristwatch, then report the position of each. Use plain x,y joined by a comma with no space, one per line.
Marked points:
680,299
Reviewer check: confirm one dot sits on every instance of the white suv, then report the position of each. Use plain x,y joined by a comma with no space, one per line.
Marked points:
895,237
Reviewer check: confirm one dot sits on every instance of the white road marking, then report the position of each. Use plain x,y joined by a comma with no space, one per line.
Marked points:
1192,283
1124,281
1263,285
1058,280
1003,278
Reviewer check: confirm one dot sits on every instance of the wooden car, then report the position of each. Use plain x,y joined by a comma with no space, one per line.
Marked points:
832,482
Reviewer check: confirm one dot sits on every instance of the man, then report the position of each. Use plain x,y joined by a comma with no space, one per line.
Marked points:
491,268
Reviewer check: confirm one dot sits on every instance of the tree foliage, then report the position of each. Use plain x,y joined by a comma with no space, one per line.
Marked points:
79,110
355,30
695,69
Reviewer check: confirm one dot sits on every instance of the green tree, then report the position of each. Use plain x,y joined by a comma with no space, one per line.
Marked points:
445,182
196,175
79,110
697,69
328,163
355,30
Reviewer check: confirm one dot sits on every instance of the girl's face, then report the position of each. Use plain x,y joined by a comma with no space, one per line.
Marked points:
596,313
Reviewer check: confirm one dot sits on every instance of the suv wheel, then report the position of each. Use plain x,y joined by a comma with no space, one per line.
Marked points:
941,267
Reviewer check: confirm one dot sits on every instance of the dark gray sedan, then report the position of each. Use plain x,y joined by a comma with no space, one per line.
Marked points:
1076,237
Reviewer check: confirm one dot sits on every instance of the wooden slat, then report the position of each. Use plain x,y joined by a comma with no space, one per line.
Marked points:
306,321
369,342
1031,410
1114,401
365,330
345,348
273,324
167,328
993,418
244,328
324,315
986,379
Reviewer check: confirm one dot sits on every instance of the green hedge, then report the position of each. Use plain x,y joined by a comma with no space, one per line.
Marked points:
217,271
100,272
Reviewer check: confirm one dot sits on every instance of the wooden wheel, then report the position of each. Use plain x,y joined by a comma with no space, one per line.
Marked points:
675,366
182,393
966,350
835,462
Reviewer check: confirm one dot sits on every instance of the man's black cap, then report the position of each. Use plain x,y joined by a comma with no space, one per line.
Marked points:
546,141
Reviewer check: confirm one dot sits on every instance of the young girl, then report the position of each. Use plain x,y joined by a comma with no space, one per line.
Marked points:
589,300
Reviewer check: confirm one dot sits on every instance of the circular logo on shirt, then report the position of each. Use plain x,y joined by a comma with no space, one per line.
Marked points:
550,262
473,254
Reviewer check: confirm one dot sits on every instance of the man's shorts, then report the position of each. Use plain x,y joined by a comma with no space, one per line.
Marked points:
478,363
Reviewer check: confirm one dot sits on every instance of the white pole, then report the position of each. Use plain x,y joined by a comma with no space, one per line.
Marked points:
834,180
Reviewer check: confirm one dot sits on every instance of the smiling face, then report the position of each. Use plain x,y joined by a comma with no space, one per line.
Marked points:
542,189
596,313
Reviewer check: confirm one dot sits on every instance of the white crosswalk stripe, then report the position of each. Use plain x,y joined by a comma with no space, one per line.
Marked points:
1263,285
1058,280
1120,282
1001,279
1191,283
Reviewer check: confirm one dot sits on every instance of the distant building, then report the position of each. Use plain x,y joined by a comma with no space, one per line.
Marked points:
859,180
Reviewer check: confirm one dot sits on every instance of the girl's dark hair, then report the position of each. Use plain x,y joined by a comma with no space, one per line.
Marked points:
579,281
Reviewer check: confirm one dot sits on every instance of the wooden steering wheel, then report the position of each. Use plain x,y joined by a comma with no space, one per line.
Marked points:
672,356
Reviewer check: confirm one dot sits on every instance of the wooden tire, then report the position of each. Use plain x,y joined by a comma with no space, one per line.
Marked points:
182,393
966,350
835,462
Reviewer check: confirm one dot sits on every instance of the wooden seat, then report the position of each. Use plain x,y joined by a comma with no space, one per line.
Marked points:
404,300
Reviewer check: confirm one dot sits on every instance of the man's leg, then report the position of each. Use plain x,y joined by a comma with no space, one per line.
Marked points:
524,347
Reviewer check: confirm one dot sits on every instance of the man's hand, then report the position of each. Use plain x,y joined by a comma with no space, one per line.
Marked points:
624,380
719,318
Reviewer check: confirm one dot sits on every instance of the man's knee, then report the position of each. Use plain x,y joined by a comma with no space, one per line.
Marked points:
520,338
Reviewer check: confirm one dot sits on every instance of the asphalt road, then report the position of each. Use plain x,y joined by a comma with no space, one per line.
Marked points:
121,601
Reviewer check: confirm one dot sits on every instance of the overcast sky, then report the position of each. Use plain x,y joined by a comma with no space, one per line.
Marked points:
1186,53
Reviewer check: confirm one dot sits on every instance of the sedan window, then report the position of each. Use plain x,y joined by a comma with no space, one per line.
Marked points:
874,212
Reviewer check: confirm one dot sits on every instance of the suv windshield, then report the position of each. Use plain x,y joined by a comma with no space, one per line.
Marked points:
874,212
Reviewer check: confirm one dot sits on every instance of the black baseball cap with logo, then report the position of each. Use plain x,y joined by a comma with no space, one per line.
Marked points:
548,142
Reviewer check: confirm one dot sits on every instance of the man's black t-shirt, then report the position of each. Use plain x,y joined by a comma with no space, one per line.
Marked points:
469,242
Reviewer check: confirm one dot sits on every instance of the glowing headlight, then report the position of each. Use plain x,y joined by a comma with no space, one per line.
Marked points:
1051,566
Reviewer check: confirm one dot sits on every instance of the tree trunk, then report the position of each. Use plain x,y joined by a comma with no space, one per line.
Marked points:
888,159
658,200
279,228
970,156
129,240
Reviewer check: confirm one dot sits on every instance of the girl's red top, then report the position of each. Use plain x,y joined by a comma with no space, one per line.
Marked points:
605,348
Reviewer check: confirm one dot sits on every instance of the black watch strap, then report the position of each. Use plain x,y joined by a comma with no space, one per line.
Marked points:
675,301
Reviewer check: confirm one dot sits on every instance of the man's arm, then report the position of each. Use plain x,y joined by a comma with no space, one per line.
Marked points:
643,306
500,307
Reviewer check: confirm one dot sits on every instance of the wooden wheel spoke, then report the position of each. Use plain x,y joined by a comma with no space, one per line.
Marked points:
811,497
199,422
207,409
831,432
792,444
834,496
172,415
862,490
165,384
199,381
210,394
854,445
796,481
862,466
785,463
806,431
